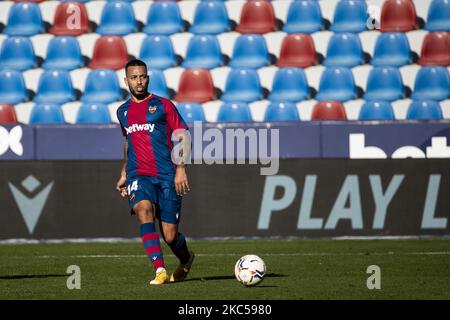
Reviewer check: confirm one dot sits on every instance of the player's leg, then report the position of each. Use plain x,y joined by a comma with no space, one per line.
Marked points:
145,214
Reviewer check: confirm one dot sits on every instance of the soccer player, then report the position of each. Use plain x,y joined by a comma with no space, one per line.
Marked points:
153,184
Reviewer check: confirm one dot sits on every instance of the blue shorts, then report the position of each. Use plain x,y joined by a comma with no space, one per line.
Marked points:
160,192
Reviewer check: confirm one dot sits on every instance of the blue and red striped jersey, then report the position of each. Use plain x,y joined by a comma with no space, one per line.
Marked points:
148,127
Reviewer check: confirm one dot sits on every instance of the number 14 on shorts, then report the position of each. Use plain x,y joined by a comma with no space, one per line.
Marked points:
132,187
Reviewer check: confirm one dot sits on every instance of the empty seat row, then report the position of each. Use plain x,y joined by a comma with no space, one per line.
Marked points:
242,85
250,51
211,17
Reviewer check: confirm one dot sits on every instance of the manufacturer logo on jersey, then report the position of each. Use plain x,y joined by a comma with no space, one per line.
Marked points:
30,207
152,109
140,127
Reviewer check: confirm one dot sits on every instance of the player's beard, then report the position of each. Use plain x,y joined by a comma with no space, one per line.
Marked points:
140,94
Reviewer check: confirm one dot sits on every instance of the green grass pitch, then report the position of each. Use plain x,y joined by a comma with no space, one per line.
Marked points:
296,269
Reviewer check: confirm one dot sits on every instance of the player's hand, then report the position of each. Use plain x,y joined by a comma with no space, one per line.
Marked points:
121,186
181,181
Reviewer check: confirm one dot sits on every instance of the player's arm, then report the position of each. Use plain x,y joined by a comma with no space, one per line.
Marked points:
181,179
123,174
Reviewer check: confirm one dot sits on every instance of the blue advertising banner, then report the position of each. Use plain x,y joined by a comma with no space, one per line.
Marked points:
16,142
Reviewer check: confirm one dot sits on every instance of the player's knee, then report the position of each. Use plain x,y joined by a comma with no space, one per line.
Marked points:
170,238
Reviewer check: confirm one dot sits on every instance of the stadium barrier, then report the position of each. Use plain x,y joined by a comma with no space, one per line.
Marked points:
306,198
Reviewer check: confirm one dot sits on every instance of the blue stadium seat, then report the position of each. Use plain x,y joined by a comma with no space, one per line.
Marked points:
344,50
164,18
391,49
424,110
17,53
350,16
384,83
93,113
157,52
24,19
290,85
55,86
438,18
234,112
242,85
336,84
63,53
157,83
12,87
250,51
432,83
102,86
281,111
211,17
117,19
303,16
376,110
191,112
203,52
46,113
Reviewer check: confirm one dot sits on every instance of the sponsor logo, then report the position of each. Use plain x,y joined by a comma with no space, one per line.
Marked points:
30,207
140,127
152,109
11,140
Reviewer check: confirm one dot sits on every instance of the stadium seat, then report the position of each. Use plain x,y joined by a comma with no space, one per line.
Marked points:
289,85
297,50
157,52
12,87
384,83
18,54
234,112
376,110
64,23
398,16
281,111
424,110
82,1
157,83
46,113
350,16
344,50
391,50
117,19
211,17
436,49
196,85
258,17
24,19
164,18
55,86
7,114
432,83
102,86
438,18
304,16
35,1
336,84
203,52
328,110
250,51
242,85
191,112
93,113
110,52
63,53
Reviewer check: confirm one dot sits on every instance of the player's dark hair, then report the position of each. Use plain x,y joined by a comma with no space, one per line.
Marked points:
135,63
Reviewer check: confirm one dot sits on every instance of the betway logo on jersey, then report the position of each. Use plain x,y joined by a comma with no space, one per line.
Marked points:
140,127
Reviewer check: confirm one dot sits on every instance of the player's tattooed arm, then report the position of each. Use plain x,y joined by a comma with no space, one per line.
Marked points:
181,179
120,186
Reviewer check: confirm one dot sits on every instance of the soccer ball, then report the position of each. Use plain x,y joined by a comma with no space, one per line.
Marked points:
250,270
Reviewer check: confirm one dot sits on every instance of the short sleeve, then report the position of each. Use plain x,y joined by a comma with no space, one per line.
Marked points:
173,117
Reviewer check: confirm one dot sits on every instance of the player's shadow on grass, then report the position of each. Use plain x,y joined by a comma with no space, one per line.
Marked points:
32,276
269,275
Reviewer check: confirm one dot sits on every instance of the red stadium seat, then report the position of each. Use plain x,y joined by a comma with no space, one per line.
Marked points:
196,85
436,49
110,52
328,110
7,114
297,50
398,16
35,1
257,16
65,22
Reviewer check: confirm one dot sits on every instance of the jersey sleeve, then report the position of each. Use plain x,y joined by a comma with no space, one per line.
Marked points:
173,117
124,133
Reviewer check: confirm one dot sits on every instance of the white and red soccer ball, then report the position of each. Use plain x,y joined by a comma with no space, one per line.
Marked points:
250,270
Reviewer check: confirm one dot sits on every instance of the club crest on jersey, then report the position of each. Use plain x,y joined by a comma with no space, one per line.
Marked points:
152,109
